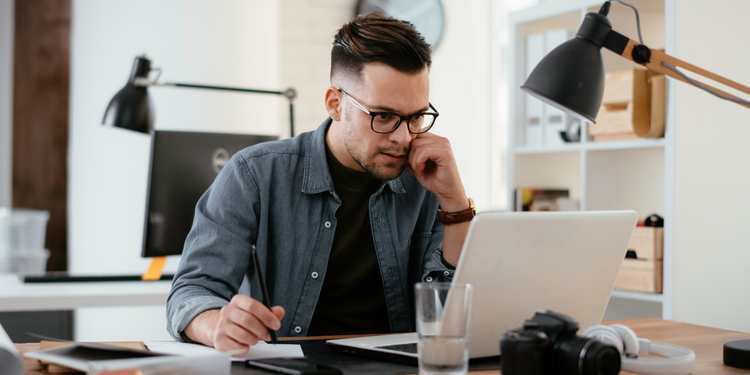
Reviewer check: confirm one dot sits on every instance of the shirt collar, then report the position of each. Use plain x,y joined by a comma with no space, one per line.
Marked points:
317,176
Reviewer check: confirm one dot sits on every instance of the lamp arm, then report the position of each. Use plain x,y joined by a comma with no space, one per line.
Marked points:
289,93
660,62
225,88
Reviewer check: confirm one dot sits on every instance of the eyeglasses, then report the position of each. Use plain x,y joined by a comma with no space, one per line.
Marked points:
387,122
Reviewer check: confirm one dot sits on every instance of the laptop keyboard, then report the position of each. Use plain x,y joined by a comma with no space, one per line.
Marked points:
409,348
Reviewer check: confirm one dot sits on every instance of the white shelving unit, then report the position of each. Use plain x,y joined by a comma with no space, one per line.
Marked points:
632,174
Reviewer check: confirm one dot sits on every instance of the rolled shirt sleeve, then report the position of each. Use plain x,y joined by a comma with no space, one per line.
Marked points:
215,258
435,269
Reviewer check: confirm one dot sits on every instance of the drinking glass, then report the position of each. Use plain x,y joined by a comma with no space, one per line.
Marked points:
443,319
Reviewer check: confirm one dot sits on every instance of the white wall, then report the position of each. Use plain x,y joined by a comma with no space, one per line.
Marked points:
307,29
461,89
712,170
7,29
199,41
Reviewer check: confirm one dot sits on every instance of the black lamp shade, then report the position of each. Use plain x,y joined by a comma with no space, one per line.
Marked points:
571,77
131,107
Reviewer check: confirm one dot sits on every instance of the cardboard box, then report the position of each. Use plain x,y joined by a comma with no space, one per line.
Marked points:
638,275
644,273
633,106
648,243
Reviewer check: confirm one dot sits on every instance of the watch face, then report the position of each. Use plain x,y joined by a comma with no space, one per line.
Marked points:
427,15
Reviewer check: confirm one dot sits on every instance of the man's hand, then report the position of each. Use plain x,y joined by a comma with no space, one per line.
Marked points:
237,326
431,162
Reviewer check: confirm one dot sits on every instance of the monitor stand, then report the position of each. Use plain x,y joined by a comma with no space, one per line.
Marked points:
155,269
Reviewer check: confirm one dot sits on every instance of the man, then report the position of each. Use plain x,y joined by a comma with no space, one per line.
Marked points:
345,218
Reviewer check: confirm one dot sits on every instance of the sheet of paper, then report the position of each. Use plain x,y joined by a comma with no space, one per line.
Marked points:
264,350
257,351
9,356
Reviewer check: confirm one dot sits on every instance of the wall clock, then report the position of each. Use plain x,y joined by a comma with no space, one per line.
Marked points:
427,15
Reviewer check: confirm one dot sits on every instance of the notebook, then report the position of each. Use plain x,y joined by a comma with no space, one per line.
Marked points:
519,262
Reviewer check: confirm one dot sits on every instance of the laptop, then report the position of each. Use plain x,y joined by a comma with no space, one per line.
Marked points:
519,262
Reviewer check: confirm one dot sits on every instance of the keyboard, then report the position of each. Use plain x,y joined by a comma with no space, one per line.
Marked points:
64,277
409,348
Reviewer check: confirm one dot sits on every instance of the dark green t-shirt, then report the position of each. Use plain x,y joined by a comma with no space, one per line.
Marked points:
352,298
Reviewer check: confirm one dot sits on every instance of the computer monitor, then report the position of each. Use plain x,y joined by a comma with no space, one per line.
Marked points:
183,166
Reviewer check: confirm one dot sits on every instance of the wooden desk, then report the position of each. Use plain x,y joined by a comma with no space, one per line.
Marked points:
705,341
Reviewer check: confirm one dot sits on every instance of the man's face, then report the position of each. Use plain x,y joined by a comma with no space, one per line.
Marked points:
383,89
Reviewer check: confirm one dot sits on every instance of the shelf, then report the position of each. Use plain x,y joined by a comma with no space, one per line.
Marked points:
638,296
594,146
622,145
573,147
556,10
634,174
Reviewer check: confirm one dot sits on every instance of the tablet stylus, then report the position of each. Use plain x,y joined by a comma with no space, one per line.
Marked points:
262,281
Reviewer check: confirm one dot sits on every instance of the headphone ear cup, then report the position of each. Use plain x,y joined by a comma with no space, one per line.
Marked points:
606,335
629,340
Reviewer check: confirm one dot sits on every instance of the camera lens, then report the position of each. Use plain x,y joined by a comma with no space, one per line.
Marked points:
585,356
600,359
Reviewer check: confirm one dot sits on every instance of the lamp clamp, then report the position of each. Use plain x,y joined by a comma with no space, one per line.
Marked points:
290,93
641,54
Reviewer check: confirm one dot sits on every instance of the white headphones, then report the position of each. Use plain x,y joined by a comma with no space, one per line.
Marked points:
679,360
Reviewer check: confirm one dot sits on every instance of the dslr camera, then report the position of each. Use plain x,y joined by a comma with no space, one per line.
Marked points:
547,344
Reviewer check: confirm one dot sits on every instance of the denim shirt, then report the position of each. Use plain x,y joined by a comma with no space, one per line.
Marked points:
280,197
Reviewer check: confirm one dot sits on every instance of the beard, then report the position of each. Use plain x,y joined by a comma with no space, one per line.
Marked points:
383,171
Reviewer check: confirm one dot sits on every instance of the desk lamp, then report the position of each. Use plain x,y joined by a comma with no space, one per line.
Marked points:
131,107
571,78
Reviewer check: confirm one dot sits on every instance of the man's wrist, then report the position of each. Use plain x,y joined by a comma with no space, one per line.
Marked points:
454,204
202,326
446,263
455,217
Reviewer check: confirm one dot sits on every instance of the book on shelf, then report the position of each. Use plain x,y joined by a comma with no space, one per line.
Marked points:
533,136
543,199
544,123
555,120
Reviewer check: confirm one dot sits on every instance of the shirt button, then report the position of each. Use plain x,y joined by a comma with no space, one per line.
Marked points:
298,329
314,275
446,273
428,279
328,224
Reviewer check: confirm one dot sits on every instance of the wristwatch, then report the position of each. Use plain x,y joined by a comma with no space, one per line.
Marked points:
447,218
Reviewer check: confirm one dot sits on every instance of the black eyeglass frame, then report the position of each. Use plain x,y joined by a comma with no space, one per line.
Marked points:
406,118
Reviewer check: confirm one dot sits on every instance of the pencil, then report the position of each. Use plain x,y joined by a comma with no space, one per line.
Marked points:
262,281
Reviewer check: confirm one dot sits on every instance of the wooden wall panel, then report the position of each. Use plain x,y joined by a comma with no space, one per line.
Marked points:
41,77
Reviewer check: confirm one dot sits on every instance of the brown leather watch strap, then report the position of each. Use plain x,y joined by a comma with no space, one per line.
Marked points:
447,218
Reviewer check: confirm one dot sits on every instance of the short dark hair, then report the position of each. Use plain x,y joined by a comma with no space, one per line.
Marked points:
377,38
